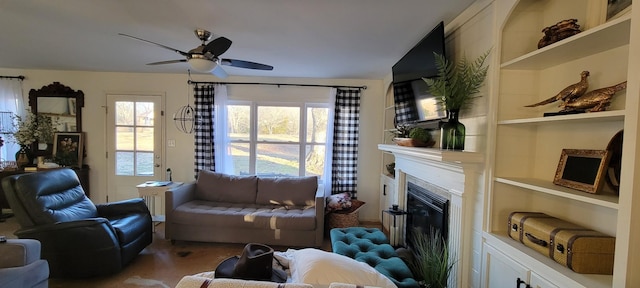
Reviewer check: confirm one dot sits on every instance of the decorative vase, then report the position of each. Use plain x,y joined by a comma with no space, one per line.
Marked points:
452,132
24,156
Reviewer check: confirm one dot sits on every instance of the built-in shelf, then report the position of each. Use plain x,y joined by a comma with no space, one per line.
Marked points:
616,115
612,34
544,186
525,254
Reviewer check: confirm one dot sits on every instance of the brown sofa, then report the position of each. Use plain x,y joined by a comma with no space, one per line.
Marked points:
287,211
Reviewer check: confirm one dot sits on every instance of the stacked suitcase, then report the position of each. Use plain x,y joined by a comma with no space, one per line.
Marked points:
580,249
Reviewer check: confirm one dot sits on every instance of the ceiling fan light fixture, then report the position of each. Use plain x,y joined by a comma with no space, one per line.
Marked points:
202,65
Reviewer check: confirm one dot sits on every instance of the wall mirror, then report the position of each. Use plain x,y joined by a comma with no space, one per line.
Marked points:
61,103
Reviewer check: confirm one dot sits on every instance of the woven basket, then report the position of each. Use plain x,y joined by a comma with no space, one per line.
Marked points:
345,218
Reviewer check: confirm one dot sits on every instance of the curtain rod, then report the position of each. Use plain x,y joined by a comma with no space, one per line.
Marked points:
279,84
12,77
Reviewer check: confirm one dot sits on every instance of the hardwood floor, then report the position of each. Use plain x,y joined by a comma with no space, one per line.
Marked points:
161,264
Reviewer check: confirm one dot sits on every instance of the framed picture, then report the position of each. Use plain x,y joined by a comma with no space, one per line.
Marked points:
616,8
68,149
582,170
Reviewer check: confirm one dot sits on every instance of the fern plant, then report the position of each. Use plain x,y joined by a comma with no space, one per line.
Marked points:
457,83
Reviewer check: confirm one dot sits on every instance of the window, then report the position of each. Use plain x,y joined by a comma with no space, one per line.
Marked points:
277,139
134,137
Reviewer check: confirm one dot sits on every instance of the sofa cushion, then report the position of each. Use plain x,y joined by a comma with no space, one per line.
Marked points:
219,187
236,215
289,191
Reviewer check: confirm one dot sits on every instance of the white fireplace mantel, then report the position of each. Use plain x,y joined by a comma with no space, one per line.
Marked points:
457,173
434,154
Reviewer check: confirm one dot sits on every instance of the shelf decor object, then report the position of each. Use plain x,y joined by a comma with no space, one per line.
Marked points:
452,132
559,31
582,169
455,86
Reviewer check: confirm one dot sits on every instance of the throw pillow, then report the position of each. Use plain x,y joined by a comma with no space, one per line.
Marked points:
218,187
318,267
288,191
337,202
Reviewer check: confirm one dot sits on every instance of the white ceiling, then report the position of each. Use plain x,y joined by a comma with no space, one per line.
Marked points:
355,39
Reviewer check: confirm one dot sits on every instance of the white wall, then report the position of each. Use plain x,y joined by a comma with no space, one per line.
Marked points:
96,85
470,35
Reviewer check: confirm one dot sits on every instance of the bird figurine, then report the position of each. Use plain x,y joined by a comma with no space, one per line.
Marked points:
570,92
594,101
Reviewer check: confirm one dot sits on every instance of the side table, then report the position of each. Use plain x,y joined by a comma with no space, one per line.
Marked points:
393,230
150,191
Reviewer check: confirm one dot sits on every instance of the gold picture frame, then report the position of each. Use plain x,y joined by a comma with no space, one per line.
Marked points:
582,169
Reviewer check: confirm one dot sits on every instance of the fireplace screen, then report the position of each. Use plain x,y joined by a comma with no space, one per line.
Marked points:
425,211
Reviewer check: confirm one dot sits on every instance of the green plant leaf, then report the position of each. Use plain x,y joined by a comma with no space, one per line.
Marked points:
457,84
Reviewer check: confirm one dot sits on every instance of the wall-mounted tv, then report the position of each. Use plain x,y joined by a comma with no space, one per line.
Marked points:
413,102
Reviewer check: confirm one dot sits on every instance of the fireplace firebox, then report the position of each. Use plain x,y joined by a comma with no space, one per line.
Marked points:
425,211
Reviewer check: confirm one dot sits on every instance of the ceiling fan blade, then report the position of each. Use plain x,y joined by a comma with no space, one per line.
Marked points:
217,46
167,62
157,44
219,72
245,64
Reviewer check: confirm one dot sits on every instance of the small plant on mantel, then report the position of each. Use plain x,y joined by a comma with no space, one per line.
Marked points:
408,135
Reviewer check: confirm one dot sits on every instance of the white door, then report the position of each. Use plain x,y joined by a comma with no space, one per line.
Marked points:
134,143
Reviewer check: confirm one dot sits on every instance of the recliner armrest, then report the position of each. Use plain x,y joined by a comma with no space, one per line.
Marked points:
135,205
87,234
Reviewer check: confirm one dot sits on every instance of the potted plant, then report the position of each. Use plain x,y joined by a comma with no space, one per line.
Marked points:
32,128
406,135
455,86
432,262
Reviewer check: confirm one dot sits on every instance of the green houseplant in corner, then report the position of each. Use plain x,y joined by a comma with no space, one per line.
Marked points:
432,262
456,85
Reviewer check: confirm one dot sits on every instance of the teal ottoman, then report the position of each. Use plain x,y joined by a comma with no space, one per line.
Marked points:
371,246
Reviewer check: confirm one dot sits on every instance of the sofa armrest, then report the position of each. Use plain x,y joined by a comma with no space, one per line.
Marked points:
19,252
179,195
173,198
320,202
135,205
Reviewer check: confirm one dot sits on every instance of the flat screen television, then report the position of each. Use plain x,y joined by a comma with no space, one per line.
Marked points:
413,102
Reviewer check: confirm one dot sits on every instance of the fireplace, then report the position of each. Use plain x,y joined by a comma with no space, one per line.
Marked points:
454,176
425,211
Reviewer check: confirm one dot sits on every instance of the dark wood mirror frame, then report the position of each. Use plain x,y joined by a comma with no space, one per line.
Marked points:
56,89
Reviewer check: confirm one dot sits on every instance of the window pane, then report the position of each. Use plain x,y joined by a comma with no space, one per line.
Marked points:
124,163
144,139
317,124
239,117
124,113
124,138
281,124
240,156
277,159
314,160
144,113
144,164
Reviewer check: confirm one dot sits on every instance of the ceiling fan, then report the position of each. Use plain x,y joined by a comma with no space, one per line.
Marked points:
206,57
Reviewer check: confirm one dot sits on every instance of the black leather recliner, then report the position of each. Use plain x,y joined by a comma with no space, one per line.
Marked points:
79,239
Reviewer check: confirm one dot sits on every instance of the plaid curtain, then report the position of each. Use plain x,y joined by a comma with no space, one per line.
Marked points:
344,169
204,106
405,105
